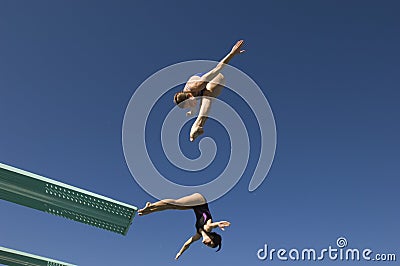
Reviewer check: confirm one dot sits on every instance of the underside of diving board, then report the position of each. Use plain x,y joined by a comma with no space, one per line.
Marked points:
17,258
54,197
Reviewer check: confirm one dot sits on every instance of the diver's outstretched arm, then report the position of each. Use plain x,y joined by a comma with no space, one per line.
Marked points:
236,49
199,84
187,244
220,224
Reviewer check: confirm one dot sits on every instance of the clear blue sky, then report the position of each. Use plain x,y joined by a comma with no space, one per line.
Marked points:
330,70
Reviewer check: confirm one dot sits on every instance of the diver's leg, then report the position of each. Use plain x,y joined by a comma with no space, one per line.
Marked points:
194,199
184,203
216,85
162,205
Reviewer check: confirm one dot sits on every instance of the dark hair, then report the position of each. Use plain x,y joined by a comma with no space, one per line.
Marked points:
216,239
180,97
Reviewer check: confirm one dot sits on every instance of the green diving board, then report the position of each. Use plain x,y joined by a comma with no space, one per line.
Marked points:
17,258
54,197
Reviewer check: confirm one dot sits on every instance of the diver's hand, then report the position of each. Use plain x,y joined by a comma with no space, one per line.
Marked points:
178,255
192,112
236,49
195,132
223,224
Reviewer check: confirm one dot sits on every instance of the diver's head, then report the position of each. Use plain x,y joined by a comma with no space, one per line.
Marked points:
212,240
185,99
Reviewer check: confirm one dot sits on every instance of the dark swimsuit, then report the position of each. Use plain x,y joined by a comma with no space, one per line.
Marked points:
202,216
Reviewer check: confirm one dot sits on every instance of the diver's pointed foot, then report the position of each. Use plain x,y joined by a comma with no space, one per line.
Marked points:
145,210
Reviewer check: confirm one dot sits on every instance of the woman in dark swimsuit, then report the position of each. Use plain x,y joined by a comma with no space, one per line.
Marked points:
210,85
204,224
